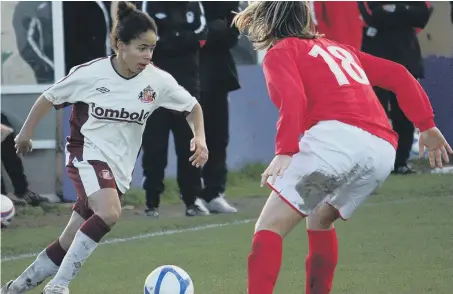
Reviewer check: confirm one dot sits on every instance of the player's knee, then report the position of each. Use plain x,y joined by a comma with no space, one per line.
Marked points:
326,222
277,216
323,218
268,226
110,212
276,223
106,204
110,215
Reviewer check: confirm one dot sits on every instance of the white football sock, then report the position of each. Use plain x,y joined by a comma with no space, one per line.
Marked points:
81,248
36,273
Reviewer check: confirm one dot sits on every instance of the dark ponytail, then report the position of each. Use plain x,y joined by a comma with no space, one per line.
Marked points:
129,24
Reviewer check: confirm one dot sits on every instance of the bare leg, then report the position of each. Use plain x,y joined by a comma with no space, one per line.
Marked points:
277,219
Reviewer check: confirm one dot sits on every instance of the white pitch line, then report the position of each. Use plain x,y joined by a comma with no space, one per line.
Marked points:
143,236
212,226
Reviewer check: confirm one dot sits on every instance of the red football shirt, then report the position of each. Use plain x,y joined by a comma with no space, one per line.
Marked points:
317,80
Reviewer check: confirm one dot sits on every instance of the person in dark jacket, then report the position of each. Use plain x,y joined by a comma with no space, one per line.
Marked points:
32,22
391,32
451,13
86,40
181,34
15,169
218,77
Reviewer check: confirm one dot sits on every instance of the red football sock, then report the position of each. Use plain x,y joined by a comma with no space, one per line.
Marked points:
321,261
264,262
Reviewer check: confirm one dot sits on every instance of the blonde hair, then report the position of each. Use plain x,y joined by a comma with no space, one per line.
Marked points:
267,22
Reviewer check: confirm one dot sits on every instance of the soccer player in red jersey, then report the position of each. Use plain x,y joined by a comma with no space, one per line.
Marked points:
323,91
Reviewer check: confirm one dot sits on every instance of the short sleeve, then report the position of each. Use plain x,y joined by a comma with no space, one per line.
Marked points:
175,97
67,90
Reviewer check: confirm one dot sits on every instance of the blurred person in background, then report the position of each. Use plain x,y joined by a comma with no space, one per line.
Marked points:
339,21
86,40
15,169
32,22
182,32
218,75
451,13
390,32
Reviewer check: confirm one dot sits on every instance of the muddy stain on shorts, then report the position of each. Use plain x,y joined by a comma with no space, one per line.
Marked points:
314,187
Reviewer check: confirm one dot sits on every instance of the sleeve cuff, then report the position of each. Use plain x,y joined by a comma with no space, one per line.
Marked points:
48,96
426,124
191,105
286,151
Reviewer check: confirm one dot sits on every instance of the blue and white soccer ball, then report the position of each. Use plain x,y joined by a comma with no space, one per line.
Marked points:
168,279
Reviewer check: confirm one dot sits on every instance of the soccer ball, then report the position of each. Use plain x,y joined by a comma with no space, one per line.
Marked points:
168,279
7,212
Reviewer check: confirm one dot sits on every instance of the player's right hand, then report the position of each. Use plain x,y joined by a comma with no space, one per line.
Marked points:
438,148
200,151
23,143
276,168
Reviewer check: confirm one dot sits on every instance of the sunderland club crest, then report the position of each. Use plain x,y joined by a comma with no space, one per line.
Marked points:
147,95
105,174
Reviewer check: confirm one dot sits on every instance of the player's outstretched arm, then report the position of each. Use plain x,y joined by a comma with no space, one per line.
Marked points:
410,95
413,101
287,92
63,93
176,98
38,111
198,143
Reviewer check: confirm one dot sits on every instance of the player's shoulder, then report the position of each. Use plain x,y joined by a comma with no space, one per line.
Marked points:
294,46
91,68
302,45
152,69
160,76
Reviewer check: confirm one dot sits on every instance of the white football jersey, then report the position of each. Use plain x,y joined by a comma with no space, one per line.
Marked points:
109,112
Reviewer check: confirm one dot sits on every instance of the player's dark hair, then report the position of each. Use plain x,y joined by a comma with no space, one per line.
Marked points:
270,21
129,24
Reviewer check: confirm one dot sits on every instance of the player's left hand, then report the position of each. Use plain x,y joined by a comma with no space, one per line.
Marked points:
200,156
23,144
438,148
276,168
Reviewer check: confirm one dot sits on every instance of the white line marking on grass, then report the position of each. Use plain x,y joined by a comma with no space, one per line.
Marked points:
213,226
144,236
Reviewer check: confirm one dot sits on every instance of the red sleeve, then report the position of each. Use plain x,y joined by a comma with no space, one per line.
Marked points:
287,92
410,95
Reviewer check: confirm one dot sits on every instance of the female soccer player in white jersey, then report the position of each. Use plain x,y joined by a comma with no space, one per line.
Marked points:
111,99
323,90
